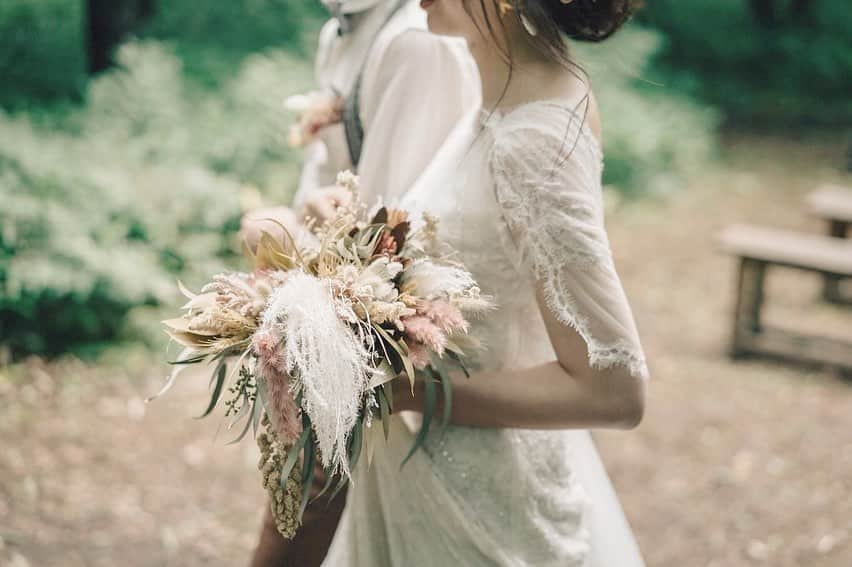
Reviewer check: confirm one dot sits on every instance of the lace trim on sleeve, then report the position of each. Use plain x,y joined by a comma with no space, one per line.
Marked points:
553,206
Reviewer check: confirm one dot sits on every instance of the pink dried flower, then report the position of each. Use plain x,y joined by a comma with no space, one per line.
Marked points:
418,354
445,315
422,330
266,345
271,364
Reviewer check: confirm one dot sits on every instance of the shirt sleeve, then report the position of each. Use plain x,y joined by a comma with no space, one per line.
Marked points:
547,184
413,94
315,161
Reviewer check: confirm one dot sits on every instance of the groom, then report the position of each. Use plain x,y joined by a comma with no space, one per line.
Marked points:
404,91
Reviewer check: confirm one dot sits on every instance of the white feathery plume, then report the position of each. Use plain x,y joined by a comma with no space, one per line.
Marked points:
327,360
432,280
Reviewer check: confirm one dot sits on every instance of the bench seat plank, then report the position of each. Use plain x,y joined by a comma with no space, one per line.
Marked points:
789,248
787,345
831,202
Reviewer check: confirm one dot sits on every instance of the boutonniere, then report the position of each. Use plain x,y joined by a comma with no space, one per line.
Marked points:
314,111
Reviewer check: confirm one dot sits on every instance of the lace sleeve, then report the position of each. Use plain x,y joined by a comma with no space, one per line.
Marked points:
547,184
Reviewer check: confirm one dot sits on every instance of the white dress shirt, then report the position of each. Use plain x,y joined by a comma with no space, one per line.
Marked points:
414,89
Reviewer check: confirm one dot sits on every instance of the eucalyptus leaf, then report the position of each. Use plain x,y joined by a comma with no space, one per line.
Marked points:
406,362
344,480
447,387
191,360
293,456
239,364
370,442
259,408
453,348
263,394
384,409
249,421
429,402
380,378
355,444
387,390
309,454
170,381
458,360
219,374
329,480
307,474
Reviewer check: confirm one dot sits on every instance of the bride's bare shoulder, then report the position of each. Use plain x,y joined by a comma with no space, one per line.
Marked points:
579,94
593,118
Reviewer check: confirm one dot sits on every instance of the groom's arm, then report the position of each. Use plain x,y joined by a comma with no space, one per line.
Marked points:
311,543
413,94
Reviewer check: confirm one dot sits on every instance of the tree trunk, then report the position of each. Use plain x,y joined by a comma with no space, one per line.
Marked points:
764,12
803,11
107,24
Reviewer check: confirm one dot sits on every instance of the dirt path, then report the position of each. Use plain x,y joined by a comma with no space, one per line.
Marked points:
735,464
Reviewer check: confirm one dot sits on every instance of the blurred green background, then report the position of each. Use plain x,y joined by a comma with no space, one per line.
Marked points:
128,155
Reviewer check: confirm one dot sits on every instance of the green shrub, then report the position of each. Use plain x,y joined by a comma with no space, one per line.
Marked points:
791,73
43,53
140,188
241,25
41,50
653,138
212,37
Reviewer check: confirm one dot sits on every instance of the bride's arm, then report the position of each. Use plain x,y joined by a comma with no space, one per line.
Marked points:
555,216
563,394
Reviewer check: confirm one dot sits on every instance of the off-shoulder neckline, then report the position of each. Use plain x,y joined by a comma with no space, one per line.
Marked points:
491,118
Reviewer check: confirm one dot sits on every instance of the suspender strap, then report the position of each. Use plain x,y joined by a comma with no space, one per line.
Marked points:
352,126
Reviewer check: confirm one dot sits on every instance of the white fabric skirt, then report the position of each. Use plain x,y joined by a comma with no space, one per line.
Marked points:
418,516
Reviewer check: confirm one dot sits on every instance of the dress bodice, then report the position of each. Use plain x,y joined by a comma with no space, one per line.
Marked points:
524,208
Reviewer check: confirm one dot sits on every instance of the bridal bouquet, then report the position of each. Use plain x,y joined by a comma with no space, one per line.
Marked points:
316,332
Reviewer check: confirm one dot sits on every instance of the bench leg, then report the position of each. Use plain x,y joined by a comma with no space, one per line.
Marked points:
749,303
831,284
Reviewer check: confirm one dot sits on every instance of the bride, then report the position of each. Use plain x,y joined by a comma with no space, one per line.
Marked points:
515,480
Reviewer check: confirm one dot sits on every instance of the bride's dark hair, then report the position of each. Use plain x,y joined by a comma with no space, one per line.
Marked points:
587,20
549,21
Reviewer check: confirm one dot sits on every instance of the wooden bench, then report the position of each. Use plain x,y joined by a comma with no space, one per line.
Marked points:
758,248
833,204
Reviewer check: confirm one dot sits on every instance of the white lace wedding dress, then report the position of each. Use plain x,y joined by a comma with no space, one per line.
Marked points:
519,195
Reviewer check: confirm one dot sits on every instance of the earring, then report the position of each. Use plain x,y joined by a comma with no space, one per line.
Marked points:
504,7
528,25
